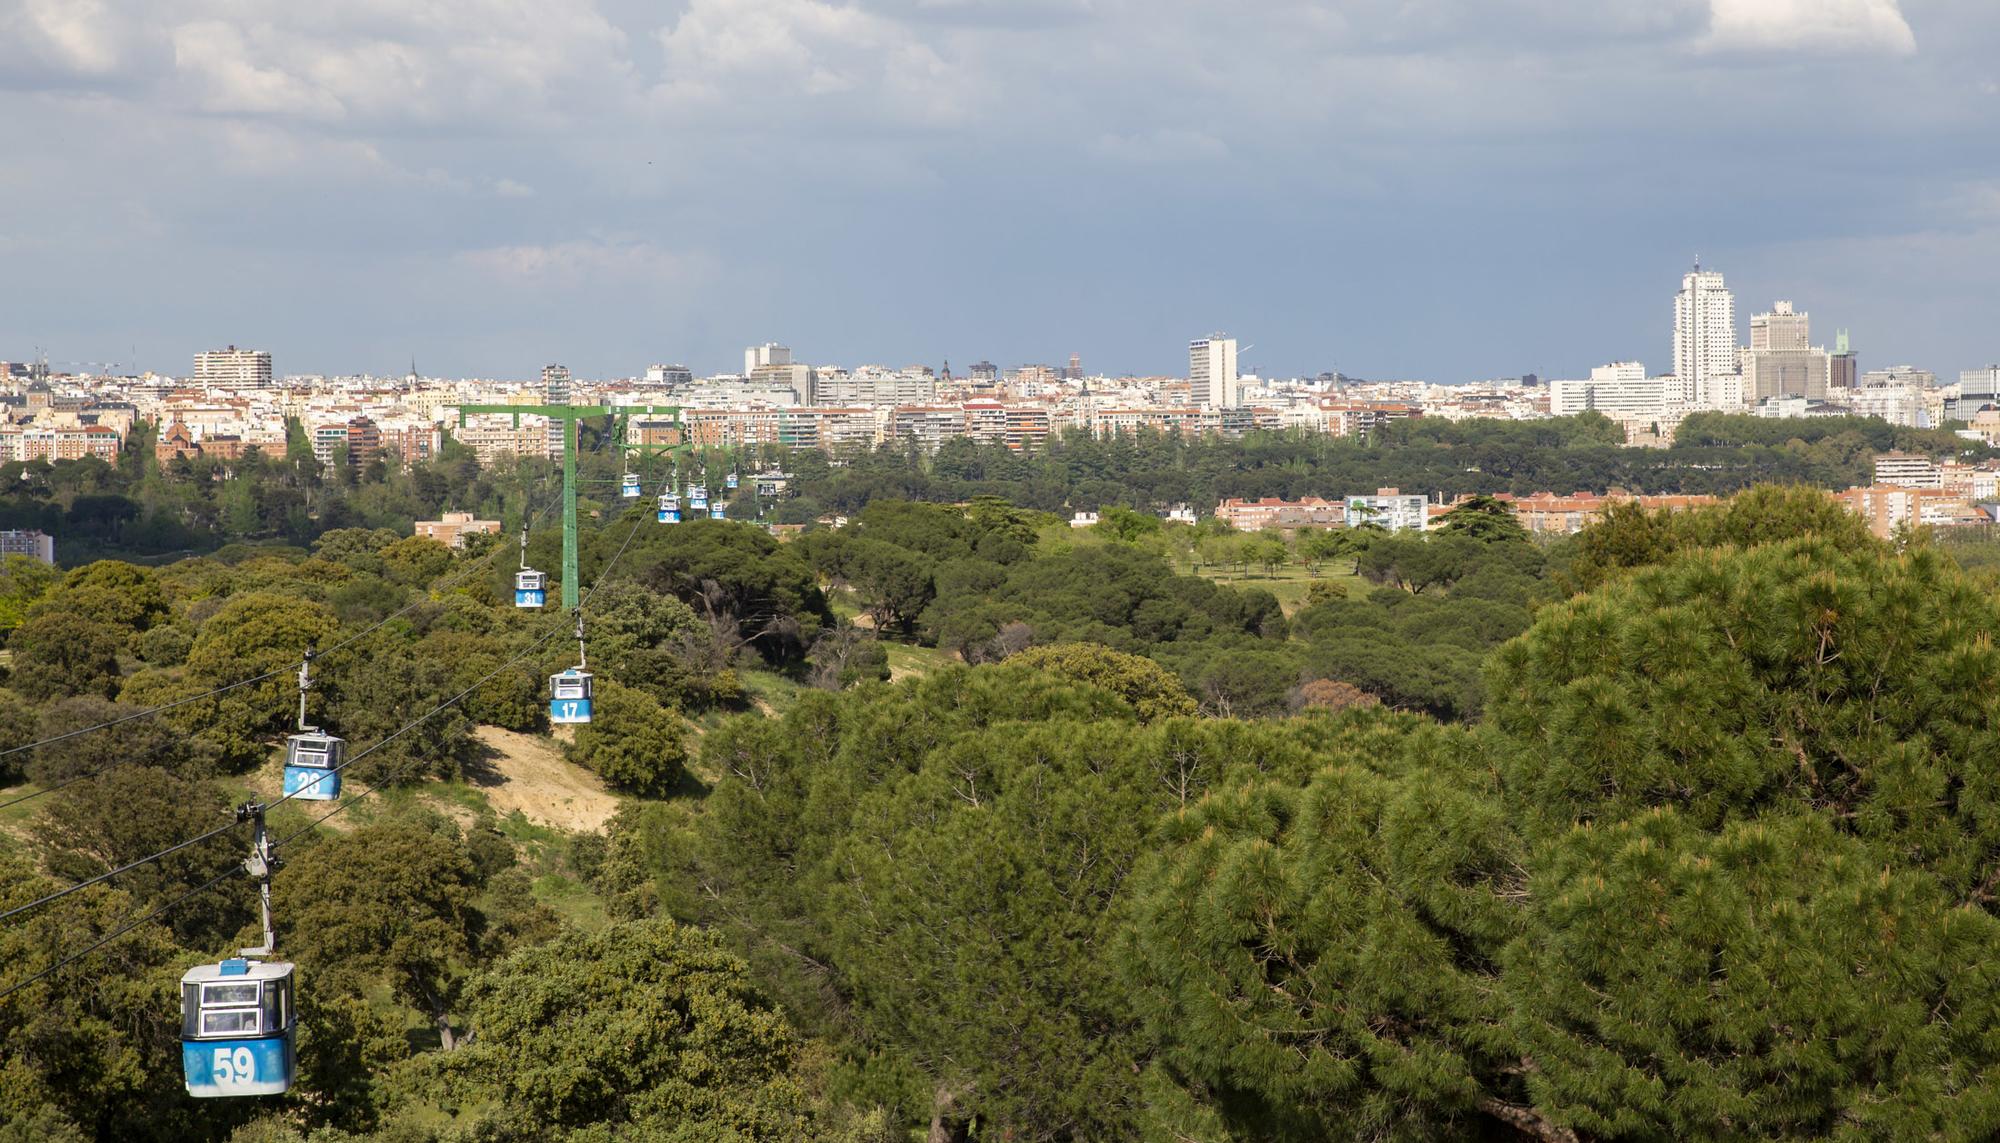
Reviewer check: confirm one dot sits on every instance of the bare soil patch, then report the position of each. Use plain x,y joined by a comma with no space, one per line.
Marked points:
526,773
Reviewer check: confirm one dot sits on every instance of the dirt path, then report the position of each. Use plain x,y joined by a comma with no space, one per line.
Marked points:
526,773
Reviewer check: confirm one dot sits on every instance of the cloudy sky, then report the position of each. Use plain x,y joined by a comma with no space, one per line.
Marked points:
1447,189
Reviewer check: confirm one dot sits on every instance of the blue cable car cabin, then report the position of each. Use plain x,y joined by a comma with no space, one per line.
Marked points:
312,765
670,509
629,488
718,512
531,588
237,1022
569,696
730,482
698,498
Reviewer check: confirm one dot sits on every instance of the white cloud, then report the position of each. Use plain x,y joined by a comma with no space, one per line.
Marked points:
222,67
1166,145
751,57
568,265
1858,26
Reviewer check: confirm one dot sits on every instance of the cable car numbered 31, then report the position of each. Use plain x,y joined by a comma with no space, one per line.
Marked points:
237,1024
312,765
569,696
531,588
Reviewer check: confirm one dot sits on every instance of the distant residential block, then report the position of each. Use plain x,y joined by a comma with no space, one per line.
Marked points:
35,545
454,527
1270,512
1390,508
233,368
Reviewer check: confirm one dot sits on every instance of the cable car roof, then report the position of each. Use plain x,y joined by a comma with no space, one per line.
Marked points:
237,968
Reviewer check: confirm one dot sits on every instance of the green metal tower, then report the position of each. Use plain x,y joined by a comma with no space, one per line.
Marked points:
569,415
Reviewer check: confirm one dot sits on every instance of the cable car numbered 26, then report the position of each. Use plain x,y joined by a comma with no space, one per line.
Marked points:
312,765
237,1024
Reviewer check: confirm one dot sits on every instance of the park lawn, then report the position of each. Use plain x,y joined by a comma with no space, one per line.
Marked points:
14,819
768,691
1290,583
906,660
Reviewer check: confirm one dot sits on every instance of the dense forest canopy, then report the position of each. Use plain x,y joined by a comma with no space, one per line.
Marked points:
138,509
956,823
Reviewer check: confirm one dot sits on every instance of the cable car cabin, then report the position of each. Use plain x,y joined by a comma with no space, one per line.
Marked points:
569,696
717,512
730,481
670,509
698,498
236,1028
531,588
312,765
629,488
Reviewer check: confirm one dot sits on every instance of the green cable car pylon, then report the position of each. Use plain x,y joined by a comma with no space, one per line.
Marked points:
569,415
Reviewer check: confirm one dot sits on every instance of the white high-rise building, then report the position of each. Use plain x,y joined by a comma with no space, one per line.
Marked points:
233,368
769,353
555,391
1620,390
1212,371
1704,333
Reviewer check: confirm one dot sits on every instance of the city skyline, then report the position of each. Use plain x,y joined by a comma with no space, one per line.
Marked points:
487,187
1746,334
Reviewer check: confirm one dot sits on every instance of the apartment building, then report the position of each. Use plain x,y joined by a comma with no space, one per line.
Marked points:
1273,513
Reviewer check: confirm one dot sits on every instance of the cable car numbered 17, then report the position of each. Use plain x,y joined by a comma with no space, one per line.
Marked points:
569,696
237,1023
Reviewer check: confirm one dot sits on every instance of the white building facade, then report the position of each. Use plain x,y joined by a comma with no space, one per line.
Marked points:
1704,334
1212,372
233,368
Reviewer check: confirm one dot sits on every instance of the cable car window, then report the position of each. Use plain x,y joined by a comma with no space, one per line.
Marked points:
274,1007
217,995
224,1021
569,690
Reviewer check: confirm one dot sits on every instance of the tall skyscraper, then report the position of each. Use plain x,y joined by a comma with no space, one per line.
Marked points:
233,368
1212,371
1704,332
769,353
1781,360
555,391
1782,328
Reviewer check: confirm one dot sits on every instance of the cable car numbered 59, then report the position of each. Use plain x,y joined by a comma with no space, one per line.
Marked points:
237,1024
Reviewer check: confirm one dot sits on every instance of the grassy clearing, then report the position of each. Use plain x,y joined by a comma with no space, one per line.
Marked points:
906,660
14,819
1290,584
768,690
844,604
